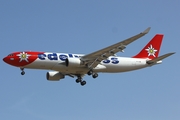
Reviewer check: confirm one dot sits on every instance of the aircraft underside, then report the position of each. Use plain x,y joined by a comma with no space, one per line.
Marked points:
60,70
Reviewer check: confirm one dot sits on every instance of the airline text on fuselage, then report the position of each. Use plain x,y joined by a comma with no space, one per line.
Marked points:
63,57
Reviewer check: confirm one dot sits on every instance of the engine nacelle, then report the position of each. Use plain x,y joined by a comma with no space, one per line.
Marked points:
54,76
73,62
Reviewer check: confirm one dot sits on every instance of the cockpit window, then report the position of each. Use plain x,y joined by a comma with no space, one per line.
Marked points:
11,55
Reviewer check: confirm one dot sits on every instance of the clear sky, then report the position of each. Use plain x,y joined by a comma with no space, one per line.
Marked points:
81,26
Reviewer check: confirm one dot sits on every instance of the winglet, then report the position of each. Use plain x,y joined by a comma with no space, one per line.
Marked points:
147,30
159,58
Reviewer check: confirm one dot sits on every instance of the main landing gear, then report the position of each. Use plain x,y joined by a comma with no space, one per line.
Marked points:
94,75
79,80
83,82
22,71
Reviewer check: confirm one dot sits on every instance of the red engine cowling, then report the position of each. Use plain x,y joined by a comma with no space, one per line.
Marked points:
54,76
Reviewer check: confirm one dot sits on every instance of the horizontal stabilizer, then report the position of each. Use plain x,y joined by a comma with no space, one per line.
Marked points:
159,58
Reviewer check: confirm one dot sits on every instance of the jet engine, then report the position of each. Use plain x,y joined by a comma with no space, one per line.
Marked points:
73,62
54,76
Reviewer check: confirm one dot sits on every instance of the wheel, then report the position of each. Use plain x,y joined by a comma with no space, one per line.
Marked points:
22,73
95,75
90,72
78,80
83,83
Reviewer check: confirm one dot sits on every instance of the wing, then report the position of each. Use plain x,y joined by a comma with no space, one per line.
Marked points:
93,59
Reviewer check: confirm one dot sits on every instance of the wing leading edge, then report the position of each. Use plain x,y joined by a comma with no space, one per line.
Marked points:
93,59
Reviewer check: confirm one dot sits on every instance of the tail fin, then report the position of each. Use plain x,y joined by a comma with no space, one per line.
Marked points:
151,50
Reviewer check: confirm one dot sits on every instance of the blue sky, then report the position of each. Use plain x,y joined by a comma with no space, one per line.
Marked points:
83,27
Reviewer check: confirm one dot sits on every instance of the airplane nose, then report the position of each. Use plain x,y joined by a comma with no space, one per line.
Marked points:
4,59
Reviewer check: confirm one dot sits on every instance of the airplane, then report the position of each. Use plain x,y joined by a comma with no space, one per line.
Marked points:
102,61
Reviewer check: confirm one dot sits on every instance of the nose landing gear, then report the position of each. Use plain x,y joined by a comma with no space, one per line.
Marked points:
22,71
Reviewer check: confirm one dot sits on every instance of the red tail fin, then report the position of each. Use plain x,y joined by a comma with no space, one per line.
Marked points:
151,50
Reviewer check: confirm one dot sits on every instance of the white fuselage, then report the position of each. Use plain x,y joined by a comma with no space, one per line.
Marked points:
112,65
